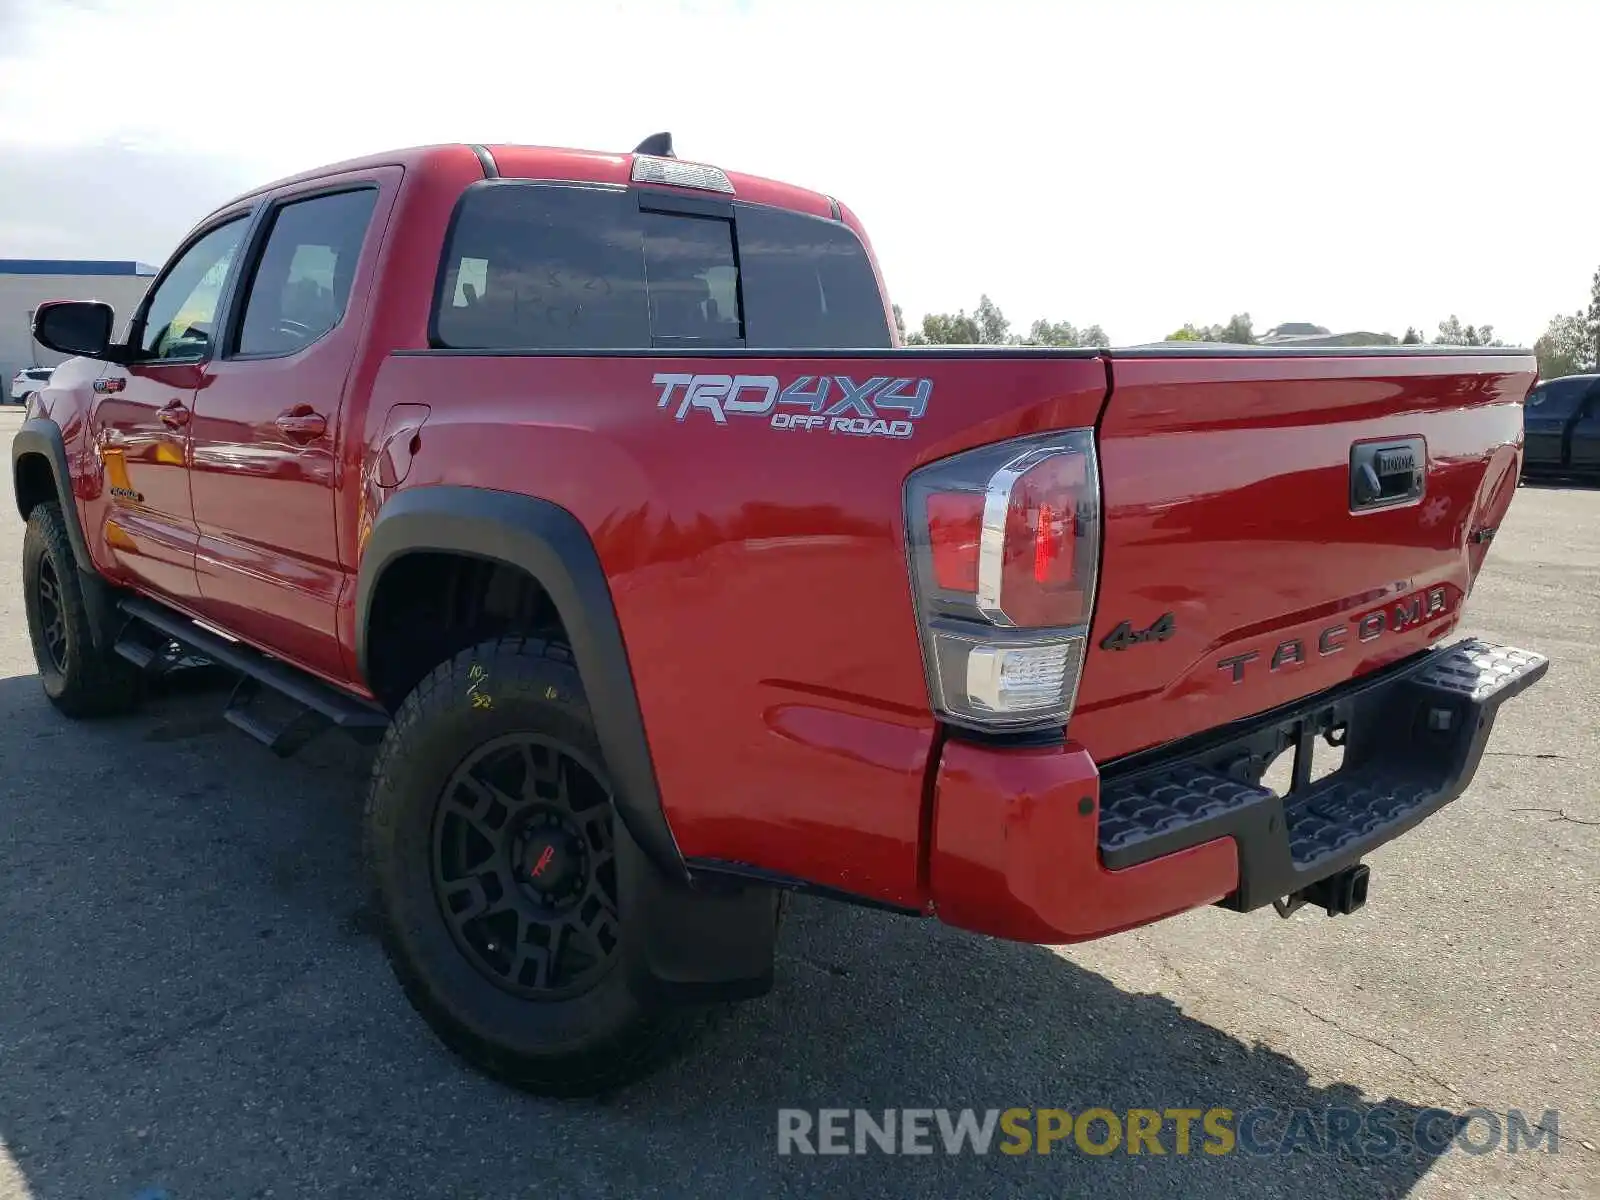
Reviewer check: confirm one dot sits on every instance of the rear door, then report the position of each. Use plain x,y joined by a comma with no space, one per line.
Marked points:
141,415
1548,416
267,418
1584,444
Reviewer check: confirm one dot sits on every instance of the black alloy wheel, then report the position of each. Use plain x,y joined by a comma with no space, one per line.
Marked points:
82,674
52,616
524,866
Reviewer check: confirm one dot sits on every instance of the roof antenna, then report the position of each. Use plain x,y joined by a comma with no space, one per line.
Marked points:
657,144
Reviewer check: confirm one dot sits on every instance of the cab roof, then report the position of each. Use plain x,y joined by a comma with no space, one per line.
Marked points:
548,162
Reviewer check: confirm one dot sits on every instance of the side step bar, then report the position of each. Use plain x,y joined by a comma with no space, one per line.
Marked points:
278,705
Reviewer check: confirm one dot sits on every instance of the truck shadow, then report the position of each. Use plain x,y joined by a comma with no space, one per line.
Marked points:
1560,483
193,1006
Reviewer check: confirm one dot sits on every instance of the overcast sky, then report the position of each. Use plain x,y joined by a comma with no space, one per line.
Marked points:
1137,163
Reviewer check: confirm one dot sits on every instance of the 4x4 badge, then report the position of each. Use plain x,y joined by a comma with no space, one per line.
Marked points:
1126,635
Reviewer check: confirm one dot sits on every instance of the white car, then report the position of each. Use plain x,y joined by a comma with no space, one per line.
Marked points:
27,381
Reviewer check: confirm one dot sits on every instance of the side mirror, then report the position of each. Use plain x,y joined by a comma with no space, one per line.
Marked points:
79,327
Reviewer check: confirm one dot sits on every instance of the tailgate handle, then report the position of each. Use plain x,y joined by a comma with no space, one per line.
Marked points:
1383,474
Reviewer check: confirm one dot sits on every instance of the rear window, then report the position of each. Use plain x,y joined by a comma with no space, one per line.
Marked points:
692,279
548,267
532,266
808,284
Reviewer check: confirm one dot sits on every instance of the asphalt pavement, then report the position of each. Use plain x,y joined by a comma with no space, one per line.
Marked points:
193,1005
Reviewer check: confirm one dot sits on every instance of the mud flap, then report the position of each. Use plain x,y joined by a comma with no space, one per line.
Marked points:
100,604
693,944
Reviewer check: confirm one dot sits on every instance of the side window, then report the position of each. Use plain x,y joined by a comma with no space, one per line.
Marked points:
532,266
301,285
1558,398
808,284
180,320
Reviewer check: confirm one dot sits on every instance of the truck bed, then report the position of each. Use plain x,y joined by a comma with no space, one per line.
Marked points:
778,555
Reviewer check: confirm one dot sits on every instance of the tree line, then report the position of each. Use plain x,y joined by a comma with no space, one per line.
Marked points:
988,326
1570,344
1241,331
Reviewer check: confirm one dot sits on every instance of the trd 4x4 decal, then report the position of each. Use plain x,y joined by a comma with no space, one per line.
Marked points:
879,407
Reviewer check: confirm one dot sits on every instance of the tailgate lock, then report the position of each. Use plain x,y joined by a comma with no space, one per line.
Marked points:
1383,474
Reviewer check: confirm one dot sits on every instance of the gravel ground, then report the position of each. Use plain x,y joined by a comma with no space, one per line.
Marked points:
192,1004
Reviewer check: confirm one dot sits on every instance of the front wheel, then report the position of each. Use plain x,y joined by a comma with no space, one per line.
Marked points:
492,843
80,678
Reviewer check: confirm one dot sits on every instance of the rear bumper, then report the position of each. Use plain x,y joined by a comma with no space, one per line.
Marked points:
1039,845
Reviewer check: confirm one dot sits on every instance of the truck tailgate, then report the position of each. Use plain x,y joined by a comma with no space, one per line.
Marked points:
1276,523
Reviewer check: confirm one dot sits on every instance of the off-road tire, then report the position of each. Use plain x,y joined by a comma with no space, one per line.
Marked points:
80,679
567,1045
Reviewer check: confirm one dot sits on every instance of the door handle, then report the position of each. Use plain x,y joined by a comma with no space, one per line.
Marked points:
175,415
1382,475
301,422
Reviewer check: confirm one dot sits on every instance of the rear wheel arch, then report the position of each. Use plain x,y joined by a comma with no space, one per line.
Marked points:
430,604
551,547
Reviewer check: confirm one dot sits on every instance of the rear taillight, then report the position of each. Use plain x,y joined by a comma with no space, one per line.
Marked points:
1005,544
955,527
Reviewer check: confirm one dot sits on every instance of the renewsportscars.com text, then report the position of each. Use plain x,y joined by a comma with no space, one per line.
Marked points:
1182,1131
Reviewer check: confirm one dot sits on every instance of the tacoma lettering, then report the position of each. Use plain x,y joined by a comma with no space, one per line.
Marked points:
1401,615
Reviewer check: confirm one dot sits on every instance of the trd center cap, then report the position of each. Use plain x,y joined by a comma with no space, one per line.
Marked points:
549,860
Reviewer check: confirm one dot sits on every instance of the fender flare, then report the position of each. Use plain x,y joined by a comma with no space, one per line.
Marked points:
42,436
552,546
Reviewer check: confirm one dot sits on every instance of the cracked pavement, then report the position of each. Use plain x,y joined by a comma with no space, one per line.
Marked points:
192,1004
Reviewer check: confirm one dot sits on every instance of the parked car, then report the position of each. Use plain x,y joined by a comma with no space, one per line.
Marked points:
596,487
1561,428
27,381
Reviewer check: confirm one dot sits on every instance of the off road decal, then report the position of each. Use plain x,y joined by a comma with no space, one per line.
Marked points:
882,406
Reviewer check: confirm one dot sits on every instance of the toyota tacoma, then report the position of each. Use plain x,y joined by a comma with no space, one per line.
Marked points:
597,491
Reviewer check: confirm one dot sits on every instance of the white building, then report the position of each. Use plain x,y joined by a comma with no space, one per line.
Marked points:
25,282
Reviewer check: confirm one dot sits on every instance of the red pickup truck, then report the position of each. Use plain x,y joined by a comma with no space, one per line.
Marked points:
597,488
